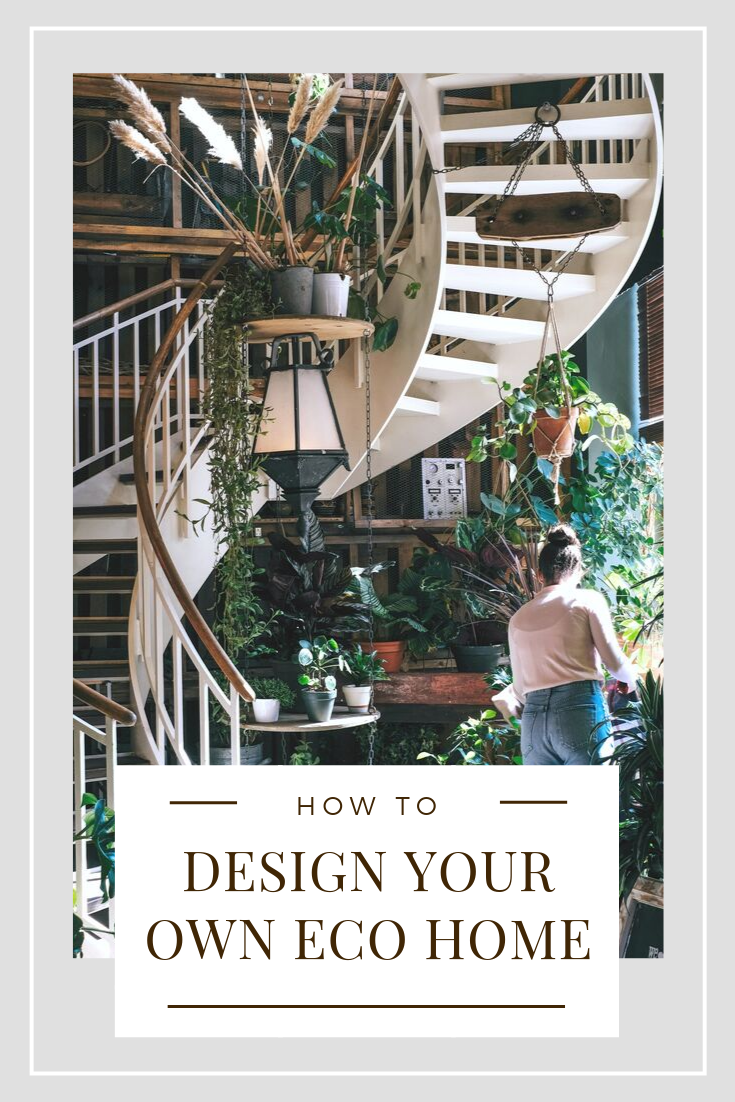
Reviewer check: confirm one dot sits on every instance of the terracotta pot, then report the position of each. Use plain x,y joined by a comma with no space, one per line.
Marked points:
553,437
391,654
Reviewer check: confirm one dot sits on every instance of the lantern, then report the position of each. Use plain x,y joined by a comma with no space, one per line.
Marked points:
302,443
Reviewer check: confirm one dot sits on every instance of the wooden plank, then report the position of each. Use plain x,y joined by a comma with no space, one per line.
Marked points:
209,91
143,206
175,127
443,686
565,214
164,232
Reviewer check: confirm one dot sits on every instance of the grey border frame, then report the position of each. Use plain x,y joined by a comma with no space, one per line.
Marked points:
676,983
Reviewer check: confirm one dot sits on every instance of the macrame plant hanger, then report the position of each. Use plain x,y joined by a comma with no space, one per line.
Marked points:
546,445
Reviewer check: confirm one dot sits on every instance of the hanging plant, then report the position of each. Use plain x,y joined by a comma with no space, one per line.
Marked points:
236,418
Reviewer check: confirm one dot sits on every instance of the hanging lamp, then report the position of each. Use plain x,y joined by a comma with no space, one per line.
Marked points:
302,444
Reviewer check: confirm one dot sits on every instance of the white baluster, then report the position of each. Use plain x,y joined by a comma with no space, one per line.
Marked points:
80,782
380,214
95,397
416,187
76,407
399,163
116,384
203,721
235,725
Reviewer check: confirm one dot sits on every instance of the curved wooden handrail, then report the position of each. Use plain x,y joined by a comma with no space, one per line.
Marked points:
131,300
111,708
146,509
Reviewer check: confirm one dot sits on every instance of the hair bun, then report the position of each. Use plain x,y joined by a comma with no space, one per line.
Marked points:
562,536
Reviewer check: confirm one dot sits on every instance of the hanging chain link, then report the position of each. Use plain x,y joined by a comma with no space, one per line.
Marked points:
368,476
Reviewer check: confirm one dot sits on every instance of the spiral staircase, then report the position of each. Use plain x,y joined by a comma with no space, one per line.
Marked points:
477,316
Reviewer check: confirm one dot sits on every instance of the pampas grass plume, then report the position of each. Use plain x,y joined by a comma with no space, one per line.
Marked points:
221,144
301,102
321,112
148,117
141,146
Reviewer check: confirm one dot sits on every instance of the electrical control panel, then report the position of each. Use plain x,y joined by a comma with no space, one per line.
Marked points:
444,489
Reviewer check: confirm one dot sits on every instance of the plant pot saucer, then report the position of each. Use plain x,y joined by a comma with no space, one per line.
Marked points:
297,724
265,330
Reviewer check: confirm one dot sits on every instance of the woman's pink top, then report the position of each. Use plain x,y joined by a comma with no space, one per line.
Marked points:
564,634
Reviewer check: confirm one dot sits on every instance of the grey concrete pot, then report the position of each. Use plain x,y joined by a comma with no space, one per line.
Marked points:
318,705
293,290
471,659
249,755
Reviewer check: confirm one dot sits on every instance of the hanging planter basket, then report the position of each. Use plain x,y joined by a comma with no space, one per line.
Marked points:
553,437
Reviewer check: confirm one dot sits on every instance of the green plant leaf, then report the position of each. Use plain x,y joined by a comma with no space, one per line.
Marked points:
385,334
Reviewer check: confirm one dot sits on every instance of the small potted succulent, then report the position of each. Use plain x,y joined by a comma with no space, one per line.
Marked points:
271,694
364,669
319,662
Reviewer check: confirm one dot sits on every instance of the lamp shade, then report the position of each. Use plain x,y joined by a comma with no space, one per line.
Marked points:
301,442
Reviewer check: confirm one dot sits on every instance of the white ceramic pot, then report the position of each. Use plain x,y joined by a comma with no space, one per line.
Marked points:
331,291
357,698
266,711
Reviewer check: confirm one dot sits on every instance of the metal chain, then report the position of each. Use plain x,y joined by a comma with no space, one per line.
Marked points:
369,476
532,135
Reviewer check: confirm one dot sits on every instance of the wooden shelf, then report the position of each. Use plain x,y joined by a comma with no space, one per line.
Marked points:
265,330
300,724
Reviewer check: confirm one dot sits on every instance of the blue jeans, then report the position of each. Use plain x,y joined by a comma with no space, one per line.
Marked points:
557,724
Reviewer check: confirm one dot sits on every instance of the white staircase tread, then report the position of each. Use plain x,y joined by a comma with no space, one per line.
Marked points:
491,328
424,407
596,120
435,368
491,80
516,282
462,229
623,180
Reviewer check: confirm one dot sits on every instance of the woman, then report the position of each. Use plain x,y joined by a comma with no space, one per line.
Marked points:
559,642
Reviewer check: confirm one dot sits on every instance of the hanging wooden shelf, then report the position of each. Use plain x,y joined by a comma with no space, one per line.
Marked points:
536,217
265,330
299,723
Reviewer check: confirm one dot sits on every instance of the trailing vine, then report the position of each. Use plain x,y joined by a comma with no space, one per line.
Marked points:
236,418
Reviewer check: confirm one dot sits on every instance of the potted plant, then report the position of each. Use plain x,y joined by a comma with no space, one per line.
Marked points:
320,660
364,668
220,738
552,403
415,617
489,579
272,694
639,756
310,593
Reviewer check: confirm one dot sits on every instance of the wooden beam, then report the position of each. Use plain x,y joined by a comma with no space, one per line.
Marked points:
101,203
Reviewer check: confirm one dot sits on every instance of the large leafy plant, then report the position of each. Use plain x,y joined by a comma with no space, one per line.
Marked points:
311,593
99,828
482,741
418,611
489,578
639,756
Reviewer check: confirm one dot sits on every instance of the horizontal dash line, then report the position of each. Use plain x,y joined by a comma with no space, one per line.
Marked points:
366,1006
533,801
202,801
